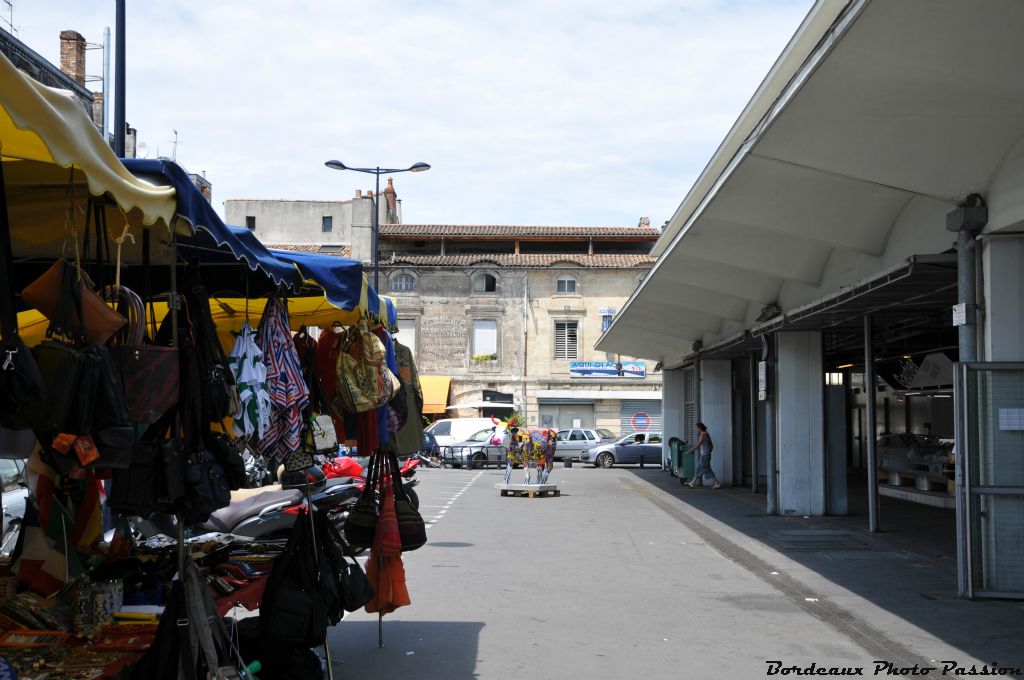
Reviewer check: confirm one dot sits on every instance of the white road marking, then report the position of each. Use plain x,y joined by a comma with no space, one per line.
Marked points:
455,495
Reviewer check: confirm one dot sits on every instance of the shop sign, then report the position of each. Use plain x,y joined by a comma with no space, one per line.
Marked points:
606,314
607,369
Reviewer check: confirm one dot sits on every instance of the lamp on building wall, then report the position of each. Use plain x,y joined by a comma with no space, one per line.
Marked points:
415,167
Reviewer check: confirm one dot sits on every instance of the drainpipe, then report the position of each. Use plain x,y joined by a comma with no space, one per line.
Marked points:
753,423
967,221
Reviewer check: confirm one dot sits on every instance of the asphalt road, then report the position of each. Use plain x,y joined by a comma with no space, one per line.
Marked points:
606,581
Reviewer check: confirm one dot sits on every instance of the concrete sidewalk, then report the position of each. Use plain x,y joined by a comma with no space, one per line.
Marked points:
893,593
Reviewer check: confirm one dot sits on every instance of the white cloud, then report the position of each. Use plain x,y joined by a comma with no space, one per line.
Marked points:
531,112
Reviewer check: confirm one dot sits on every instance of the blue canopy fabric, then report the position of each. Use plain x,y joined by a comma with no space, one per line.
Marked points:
340,277
210,230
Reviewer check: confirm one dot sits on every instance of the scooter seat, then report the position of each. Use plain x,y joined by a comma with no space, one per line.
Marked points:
245,494
228,518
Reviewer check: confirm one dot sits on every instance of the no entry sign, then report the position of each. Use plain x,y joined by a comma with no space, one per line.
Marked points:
640,421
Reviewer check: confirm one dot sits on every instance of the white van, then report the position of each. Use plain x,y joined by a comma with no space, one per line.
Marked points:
452,430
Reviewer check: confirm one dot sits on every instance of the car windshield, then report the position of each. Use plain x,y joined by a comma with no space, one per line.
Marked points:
482,435
605,434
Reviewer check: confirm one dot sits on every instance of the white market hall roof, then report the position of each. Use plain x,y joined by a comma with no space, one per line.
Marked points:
878,118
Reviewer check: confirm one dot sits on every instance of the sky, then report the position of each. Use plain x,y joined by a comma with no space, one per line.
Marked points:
543,112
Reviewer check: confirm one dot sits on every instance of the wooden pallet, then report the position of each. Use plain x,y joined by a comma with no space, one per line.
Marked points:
528,490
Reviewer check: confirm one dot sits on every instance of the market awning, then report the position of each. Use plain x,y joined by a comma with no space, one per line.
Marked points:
43,130
211,234
435,392
843,165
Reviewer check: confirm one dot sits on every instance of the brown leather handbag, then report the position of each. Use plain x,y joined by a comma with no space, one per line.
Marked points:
150,373
44,294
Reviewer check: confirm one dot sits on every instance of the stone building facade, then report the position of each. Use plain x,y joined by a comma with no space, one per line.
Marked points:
500,316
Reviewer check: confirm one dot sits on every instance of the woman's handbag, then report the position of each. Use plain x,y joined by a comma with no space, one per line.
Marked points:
362,521
411,527
364,380
45,294
150,374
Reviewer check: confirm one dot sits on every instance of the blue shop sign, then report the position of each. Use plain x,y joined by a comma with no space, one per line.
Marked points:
607,369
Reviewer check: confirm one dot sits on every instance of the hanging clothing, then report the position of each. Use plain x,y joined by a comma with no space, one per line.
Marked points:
328,346
305,348
246,364
289,396
409,437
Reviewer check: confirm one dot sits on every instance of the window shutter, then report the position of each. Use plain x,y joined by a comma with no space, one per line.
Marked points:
566,346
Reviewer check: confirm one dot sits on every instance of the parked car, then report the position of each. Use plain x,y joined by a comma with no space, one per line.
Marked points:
12,474
477,451
912,453
574,441
627,449
450,430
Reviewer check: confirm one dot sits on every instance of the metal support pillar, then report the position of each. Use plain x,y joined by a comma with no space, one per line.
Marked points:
119,80
770,425
966,282
869,437
753,423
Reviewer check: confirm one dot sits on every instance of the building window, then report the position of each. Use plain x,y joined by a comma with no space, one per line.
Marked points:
565,285
327,223
566,339
407,334
403,283
485,340
485,283
250,222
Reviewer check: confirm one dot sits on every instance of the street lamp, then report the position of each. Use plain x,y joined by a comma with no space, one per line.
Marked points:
415,167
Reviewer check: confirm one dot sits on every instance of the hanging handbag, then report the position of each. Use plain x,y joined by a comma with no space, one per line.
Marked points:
208,489
364,380
226,451
361,523
20,379
71,375
150,373
45,293
411,527
293,610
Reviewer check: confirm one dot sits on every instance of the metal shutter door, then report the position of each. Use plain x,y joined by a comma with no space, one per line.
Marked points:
630,407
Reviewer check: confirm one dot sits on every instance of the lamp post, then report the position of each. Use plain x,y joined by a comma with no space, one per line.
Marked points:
415,167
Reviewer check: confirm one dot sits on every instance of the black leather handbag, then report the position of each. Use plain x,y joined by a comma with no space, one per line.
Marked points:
361,524
207,488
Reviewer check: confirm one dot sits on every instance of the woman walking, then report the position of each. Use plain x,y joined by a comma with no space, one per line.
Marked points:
704,447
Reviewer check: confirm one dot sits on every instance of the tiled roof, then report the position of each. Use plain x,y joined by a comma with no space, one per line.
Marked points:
512,231
506,260
318,248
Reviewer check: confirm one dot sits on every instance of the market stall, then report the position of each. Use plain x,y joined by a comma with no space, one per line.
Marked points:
131,296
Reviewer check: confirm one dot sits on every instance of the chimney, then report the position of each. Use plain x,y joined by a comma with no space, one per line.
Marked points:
359,193
97,109
645,222
72,55
391,198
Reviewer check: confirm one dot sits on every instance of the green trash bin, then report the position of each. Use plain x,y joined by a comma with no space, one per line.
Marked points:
682,463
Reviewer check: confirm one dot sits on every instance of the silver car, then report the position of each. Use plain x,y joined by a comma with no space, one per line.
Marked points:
476,452
631,448
573,441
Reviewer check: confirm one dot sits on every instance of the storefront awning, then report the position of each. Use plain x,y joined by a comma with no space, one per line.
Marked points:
42,127
435,393
843,165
